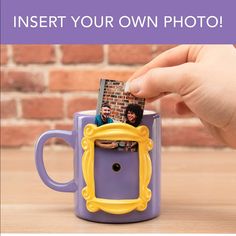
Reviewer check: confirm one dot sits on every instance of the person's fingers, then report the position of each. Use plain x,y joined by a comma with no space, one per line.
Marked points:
182,109
172,57
153,99
175,79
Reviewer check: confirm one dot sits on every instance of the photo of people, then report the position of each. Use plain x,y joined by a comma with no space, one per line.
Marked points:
117,105
133,114
115,100
103,118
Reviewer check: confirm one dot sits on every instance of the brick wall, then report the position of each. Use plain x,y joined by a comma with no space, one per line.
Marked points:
115,95
43,85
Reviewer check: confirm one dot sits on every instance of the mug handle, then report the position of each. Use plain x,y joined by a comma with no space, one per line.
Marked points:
67,136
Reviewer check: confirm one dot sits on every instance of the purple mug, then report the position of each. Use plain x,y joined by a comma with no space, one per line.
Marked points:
110,186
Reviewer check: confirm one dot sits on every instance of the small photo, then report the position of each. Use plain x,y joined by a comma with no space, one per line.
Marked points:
115,104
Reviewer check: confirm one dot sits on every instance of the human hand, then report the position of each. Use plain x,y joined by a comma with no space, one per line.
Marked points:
205,78
114,145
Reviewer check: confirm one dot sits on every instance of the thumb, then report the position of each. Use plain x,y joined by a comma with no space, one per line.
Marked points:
176,79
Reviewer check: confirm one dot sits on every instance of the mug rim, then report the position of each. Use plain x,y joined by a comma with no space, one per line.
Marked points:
93,112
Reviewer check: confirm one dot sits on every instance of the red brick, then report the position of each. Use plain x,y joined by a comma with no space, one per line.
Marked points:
8,108
3,52
160,48
42,108
67,127
72,54
167,107
197,136
20,135
80,104
33,54
22,81
61,80
129,54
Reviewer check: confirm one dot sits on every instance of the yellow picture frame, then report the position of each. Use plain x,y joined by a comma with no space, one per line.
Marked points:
116,131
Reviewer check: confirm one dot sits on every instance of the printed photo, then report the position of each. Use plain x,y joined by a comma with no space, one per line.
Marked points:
115,104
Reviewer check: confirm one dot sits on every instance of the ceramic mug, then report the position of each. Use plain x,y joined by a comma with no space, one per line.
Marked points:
110,186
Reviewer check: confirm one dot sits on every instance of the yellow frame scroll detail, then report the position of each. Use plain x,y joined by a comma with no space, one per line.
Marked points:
116,131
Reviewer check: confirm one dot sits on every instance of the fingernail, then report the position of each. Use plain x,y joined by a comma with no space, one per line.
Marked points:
134,86
127,87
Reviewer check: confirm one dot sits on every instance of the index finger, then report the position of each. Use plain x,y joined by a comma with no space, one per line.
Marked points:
173,57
